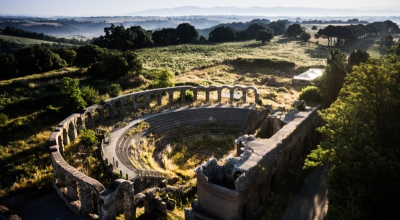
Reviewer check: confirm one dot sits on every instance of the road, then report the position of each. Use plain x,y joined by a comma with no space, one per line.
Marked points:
311,202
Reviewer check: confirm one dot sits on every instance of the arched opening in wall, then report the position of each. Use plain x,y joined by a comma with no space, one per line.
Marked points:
225,96
106,112
237,95
213,95
118,109
141,102
79,124
177,97
97,117
88,120
60,145
71,131
201,95
65,137
273,183
250,96
236,175
153,100
129,106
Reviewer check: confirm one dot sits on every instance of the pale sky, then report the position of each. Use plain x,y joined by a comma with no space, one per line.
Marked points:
118,7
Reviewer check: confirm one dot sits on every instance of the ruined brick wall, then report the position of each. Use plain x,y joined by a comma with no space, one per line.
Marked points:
262,166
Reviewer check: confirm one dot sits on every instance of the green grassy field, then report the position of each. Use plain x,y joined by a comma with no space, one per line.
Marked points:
27,41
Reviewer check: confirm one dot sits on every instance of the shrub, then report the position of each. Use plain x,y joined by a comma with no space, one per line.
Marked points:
114,90
189,96
311,94
271,96
90,95
260,101
88,137
3,119
162,78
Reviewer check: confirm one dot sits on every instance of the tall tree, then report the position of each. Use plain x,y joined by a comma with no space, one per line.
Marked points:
332,80
187,33
294,30
361,143
71,95
265,35
222,34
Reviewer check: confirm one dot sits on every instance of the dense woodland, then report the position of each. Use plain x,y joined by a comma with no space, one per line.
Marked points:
360,97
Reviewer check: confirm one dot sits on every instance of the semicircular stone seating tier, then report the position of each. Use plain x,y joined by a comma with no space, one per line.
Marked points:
90,193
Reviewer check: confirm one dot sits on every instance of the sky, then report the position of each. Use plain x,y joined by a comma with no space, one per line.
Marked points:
121,7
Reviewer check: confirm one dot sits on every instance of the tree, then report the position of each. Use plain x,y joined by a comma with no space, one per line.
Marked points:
114,64
162,78
356,58
37,59
187,33
278,27
265,36
294,30
87,55
88,137
332,80
311,94
253,30
222,34
314,28
3,119
165,37
386,43
8,66
361,144
71,95
114,90
66,54
305,36
90,95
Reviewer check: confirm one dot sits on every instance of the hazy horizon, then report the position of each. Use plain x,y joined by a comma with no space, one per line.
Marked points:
124,7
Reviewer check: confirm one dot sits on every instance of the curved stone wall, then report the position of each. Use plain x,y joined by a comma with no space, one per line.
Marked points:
92,194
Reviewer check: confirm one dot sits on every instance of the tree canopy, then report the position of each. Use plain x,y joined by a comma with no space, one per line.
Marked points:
265,35
362,143
294,30
222,34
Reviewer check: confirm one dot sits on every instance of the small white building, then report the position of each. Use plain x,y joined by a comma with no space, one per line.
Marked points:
308,76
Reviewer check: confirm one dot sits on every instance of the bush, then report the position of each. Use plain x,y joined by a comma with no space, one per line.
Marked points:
260,101
311,94
88,137
305,36
271,96
90,95
189,96
114,90
162,78
3,119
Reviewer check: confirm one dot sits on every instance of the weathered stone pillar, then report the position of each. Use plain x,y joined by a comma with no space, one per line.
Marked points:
183,92
159,97
123,108
135,104
101,115
147,100
86,195
219,95
129,202
106,206
207,95
72,133
244,92
65,137
256,95
171,97
60,178
231,95
112,110
72,187
195,95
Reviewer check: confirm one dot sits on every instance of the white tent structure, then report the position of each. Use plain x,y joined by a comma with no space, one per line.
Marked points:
308,76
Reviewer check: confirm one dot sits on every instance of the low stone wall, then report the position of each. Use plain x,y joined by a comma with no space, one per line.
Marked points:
88,197
234,190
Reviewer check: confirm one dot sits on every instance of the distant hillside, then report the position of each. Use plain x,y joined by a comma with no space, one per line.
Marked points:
273,11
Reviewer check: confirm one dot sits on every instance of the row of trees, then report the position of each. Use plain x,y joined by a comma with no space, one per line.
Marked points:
255,31
361,130
135,37
101,62
342,35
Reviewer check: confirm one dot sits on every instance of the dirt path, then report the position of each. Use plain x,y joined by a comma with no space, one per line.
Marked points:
311,202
